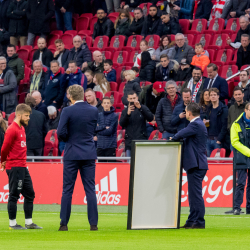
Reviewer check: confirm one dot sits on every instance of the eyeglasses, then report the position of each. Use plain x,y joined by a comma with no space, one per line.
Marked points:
171,88
178,40
2,63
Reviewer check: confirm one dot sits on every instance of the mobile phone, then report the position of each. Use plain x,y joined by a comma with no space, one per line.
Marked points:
131,103
171,5
184,111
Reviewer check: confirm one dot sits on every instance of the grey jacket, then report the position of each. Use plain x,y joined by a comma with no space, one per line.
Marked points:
8,92
186,52
239,6
169,52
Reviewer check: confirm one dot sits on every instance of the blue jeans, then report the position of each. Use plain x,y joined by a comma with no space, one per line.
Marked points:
128,153
63,19
211,145
166,135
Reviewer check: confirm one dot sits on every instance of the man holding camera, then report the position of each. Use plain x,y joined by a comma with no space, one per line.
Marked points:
133,119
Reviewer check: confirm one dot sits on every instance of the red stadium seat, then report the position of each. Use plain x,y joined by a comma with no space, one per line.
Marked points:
145,8
28,47
120,134
11,118
67,39
82,23
190,39
106,55
89,15
114,96
231,154
215,26
113,86
198,26
56,32
72,32
231,85
218,153
144,83
85,33
234,60
52,48
211,54
86,39
119,73
114,14
21,97
223,57
23,53
50,150
233,26
218,42
112,18
99,95
52,137
121,87
51,39
120,58
153,41
133,43
35,41
232,37
92,23
119,107
101,42
121,144
228,70
185,24
155,135
132,57
203,39
116,43
121,153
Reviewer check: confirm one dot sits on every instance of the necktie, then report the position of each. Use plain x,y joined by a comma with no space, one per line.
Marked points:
211,84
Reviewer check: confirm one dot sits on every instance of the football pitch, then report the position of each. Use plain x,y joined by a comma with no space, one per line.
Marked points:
222,231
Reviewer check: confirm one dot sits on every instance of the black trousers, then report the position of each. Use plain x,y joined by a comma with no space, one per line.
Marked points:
20,183
108,152
35,152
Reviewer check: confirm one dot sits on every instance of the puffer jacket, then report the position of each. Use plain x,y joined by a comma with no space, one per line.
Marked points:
148,72
107,137
16,64
170,72
122,28
163,114
186,52
200,61
169,51
172,27
130,85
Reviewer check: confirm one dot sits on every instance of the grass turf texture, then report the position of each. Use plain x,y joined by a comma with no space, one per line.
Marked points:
222,231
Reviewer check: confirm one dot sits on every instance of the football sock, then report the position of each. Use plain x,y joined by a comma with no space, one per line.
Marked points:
12,222
28,221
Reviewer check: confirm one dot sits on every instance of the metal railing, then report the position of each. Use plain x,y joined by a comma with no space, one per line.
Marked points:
236,74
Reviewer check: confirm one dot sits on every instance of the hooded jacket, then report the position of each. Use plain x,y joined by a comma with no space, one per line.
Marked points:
104,29
170,72
130,85
172,27
147,71
107,137
16,64
183,75
201,61
136,26
47,56
243,57
122,27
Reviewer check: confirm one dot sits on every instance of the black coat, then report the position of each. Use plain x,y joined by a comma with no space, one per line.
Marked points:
172,27
122,28
135,124
163,114
4,20
136,26
183,75
148,72
42,108
18,20
239,6
203,9
133,4
107,28
130,85
65,57
170,73
243,57
156,26
241,32
66,4
4,41
36,130
53,124
39,14
47,56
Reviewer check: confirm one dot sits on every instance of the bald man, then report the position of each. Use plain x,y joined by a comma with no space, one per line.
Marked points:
97,66
40,106
43,54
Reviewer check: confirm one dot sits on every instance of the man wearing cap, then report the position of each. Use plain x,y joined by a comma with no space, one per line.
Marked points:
195,84
184,72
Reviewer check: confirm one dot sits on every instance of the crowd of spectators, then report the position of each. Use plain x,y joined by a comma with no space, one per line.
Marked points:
160,105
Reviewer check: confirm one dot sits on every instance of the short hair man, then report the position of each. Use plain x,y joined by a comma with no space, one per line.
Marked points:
165,71
170,23
184,72
215,81
138,114
80,155
61,54
182,49
217,115
15,63
54,117
136,26
92,100
13,158
39,105
244,84
106,130
179,114
195,84
165,109
104,26
43,54
243,53
97,65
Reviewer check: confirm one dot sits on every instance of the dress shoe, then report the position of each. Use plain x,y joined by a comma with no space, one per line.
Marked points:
63,228
93,228
186,226
236,211
197,227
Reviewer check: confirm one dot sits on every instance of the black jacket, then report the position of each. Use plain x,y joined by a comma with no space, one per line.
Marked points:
122,28
41,107
135,124
4,41
203,9
170,72
133,4
152,27
163,114
1,137
148,72
39,14
53,124
65,56
243,57
239,6
36,130
66,4
136,26
47,56
241,32
183,75
16,64
172,27
18,25
130,85
99,105
4,20
82,55
104,29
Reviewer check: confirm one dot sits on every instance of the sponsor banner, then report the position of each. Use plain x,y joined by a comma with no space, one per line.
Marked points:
112,185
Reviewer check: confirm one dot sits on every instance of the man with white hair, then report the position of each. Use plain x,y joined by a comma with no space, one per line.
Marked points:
43,54
54,117
182,49
165,109
97,65
40,106
80,53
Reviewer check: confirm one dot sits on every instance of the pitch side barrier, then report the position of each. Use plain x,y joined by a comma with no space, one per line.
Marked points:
236,74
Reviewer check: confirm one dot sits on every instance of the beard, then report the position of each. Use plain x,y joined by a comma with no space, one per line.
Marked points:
22,122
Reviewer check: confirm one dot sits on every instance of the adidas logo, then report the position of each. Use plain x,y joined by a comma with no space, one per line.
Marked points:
104,191
4,196
6,187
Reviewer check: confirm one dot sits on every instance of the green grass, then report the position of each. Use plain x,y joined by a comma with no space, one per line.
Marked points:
222,231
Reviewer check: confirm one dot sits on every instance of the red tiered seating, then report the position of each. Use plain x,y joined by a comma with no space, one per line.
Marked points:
196,25
120,134
82,23
11,118
85,33
53,25
211,54
220,56
203,39
67,39
113,86
116,96
234,60
121,144
119,107
99,95
116,43
133,43
98,45
212,26
145,8
232,37
52,48
56,32
121,153
153,41
132,58
155,135
121,87
145,83
50,150
92,23
86,39
120,58
218,153
89,15
225,70
114,14
218,42
185,24
23,53
112,18
26,80
231,25
190,39
51,39
72,32
107,55
21,97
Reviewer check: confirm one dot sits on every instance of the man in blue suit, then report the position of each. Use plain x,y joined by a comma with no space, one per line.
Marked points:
79,154
215,81
195,164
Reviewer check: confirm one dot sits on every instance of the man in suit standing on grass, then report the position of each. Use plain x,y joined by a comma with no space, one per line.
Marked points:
77,131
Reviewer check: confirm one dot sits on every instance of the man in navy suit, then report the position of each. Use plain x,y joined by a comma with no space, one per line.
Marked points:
79,154
215,81
194,163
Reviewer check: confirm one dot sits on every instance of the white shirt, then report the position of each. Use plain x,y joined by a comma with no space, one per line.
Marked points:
194,119
40,57
79,101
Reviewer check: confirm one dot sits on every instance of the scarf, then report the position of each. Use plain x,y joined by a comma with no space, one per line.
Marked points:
195,7
54,75
217,9
105,72
173,102
246,120
197,87
76,71
35,81
240,83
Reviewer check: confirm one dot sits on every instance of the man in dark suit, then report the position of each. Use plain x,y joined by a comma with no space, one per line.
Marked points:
79,154
194,163
215,81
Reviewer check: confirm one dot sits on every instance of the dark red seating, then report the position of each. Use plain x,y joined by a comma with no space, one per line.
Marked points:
86,39
231,27
107,55
211,54
185,24
215,26
120,58
113,86
156,134
116,43
219,41
119,71
23,53
133,43
145,8
204,39
223,57
99,95
101,42
218,153
198,26
153,41
92,23
52,38
118,107
228,70
82,23
11,118
114,96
